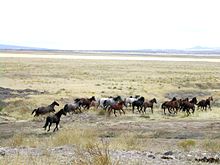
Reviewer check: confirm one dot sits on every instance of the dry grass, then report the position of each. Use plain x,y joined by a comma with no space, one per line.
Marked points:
82,78
187,145
93,153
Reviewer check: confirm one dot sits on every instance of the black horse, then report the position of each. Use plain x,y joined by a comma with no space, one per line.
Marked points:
54,119
44,110
138,103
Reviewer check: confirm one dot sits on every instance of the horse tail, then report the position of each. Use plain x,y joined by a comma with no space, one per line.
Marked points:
162,106
47,122
65,108
34,111
104,103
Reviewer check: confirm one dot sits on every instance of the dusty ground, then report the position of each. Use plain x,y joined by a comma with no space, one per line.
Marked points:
160,139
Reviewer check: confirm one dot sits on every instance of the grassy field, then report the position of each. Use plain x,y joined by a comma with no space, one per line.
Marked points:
63,80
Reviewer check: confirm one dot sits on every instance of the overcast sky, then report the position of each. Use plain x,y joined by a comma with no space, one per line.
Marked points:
112,24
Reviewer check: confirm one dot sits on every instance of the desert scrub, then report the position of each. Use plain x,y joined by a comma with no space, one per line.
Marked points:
94,153
211,145
186,145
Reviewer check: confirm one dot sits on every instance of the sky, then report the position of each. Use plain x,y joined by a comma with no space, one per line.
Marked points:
110,24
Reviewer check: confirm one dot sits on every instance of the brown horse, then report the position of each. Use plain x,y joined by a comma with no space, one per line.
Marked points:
187,105
149,104
86,103
44,110
117,106
204,103
171,105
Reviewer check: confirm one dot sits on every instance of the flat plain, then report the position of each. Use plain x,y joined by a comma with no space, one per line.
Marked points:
94,137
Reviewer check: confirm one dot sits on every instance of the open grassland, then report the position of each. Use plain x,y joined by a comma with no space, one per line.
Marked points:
37,82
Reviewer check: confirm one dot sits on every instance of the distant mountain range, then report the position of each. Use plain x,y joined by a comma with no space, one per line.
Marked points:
193,50
15,47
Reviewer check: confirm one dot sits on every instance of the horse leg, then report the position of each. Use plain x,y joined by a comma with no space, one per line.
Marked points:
46,124
152,110
56,127
119,111
193,110
169,110
164,109
123,111
109,111
115,113
138,109
49,127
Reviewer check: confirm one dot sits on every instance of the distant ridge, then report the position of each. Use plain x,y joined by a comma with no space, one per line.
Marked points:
194,50
16,47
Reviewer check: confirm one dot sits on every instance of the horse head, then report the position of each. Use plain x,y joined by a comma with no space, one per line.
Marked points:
141,99
77,100
92,98
118,98
63,112
154,100
55,103
194,100
210,98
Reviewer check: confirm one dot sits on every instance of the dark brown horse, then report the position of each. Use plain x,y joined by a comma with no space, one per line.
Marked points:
149,104
204,103
117,106
86,103
187,105
54,119
172,105
44,110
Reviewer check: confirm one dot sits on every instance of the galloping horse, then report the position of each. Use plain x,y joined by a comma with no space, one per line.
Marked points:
86,103
130,100
54,119
117,106
138,103
204,103
44,110
73,107
187,105
149,104
105,102
171,105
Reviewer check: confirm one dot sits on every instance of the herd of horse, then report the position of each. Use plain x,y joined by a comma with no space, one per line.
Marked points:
117,103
